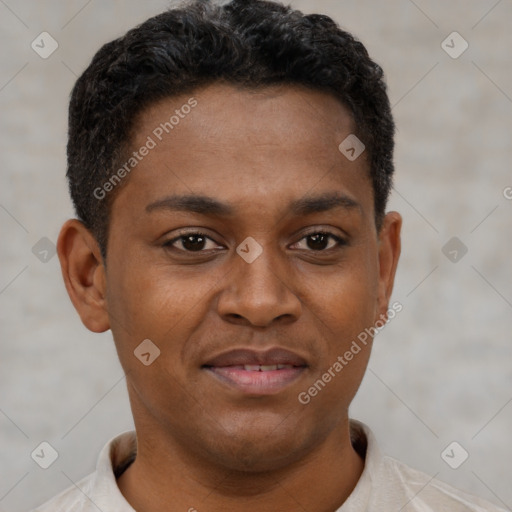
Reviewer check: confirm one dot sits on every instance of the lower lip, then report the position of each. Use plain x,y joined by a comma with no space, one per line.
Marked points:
257,383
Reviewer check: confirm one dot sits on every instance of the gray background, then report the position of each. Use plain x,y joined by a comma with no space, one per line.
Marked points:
441,370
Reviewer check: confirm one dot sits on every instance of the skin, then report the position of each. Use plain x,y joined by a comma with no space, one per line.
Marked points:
201,443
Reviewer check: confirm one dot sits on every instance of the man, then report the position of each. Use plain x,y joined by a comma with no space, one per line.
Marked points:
230,168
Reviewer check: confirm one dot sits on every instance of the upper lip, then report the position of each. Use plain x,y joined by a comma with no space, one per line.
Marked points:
244,356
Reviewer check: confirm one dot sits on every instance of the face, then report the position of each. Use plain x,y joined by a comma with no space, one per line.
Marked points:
244,246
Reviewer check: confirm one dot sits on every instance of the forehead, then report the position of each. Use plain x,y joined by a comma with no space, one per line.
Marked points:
245,145
271,115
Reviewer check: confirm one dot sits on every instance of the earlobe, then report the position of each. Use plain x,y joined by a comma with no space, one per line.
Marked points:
389,254
83,272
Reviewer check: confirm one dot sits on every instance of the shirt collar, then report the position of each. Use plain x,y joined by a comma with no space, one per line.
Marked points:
105,493
359,499
120,450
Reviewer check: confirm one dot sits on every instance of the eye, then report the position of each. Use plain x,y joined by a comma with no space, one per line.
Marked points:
319,241
198,242
191,242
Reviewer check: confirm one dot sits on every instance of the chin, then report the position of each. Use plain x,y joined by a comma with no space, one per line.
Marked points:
255,458
258,447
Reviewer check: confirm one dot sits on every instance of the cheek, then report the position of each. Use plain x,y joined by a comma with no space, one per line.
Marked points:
346,299
148,299
346,311
155,302
149,303
345,318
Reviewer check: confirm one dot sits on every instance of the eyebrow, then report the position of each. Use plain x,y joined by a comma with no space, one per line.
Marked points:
205,205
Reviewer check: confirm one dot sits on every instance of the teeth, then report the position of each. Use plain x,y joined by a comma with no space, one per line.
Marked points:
265,367
252,367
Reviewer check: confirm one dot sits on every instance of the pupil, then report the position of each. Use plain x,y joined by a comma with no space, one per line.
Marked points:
318,239
316,242
191,246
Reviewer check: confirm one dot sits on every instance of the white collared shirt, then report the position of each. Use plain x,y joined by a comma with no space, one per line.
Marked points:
386,484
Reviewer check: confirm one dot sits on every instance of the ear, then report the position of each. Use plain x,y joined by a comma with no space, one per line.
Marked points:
83,271
389,253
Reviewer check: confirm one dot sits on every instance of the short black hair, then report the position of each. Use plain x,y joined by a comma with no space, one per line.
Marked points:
247,43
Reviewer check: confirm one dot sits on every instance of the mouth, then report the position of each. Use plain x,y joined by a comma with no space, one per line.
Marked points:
257,373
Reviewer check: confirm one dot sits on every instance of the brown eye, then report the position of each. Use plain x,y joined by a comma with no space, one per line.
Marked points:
190,242
319,242
193,242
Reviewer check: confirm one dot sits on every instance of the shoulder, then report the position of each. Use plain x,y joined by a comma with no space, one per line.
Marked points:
389,484
72,499
414,491
99,490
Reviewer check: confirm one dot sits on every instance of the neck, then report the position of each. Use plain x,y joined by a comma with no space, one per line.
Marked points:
163,473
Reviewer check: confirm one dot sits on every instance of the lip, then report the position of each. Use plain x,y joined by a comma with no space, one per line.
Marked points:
245,356
228,368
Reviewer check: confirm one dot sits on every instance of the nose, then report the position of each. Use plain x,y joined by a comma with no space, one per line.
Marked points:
259,293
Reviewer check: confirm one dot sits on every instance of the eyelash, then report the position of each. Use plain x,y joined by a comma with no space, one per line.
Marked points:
169,244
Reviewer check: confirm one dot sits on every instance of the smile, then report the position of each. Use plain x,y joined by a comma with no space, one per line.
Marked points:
257,380
256,373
